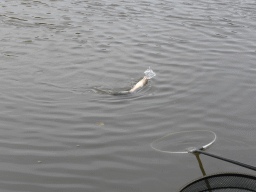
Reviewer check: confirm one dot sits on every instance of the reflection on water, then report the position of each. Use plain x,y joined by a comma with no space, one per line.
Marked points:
58,132
200,163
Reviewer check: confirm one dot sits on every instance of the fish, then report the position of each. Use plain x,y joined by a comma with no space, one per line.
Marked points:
140,84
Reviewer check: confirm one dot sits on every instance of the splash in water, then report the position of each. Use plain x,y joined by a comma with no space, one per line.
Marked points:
149,73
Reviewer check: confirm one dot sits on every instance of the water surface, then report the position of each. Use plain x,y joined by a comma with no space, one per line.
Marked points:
60,131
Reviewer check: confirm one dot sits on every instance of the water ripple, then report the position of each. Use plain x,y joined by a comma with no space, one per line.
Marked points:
63,130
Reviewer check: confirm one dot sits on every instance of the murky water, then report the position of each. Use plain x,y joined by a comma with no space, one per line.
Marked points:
60,131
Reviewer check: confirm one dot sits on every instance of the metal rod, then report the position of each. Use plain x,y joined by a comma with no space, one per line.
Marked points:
224,159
